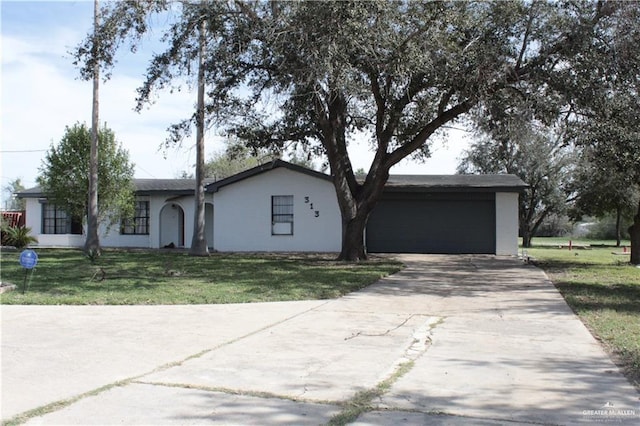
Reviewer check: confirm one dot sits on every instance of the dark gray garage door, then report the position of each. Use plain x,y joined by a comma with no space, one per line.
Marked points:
433,223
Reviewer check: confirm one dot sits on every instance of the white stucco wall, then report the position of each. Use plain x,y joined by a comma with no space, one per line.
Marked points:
242,218
113,238
168,227
167,230
33,218
34,221
507,223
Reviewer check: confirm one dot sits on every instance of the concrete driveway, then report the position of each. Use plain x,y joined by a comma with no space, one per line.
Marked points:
451,340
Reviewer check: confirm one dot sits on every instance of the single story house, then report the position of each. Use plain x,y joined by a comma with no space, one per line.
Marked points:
279,206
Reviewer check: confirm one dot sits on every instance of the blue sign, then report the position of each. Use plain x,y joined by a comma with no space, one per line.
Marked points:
28,259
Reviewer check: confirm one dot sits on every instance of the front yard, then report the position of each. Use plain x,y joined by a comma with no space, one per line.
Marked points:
121,277
603,289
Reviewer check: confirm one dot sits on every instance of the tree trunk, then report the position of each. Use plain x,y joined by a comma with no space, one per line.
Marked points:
353,248
524,226
525,233
618,222
92,242
634,232
355,207
199,240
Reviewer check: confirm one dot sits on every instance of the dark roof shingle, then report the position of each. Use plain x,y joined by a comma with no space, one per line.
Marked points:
174,186
142,187
215,186
396,183
492,182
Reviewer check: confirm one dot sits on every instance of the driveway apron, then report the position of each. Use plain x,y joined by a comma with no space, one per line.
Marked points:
449,340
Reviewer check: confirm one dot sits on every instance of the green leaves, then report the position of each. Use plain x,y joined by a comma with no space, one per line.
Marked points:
64,175
312,74
604,125
511,143
14,186
18,237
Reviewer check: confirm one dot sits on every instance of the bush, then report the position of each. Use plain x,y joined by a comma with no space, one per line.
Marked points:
555,226
4,236
605,229
18,237
4,231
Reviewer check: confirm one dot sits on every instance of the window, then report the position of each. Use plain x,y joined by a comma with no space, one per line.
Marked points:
139,223
282,215
56,221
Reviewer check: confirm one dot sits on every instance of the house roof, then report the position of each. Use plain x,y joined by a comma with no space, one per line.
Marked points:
142,187
427,183
215,186
173,186
395,183
35,192
454,183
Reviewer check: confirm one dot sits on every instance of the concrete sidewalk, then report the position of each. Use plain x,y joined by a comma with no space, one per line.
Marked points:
483,340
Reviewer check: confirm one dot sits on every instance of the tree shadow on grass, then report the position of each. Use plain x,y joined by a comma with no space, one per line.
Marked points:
604,307
589,296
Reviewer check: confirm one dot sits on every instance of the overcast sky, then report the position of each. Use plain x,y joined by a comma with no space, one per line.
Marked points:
41,94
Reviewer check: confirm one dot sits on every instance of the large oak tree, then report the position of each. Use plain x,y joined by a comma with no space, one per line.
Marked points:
609,129
317,74
534,152
603,84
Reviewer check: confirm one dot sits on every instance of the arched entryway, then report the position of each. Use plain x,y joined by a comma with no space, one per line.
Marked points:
171,226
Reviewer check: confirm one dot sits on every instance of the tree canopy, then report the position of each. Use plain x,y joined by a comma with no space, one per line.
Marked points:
64,175
11,201
536,154
604,84
600,190
313,74
235,158
229,162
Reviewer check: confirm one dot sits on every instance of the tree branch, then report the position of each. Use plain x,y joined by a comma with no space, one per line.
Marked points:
525,39
406,149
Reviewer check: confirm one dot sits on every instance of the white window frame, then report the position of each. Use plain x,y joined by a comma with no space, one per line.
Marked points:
282,215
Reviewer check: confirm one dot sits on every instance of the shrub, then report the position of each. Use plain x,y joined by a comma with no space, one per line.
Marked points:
555,225
4,236
18,237
605,228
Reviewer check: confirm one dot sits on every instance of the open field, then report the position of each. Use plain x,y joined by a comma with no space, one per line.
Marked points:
152,277
580,242
602,288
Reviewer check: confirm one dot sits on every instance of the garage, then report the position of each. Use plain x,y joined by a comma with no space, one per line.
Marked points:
445,214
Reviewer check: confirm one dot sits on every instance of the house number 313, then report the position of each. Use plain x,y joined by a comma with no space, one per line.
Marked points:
316,213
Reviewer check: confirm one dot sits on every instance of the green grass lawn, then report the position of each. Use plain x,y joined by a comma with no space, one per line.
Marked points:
151,277
603,289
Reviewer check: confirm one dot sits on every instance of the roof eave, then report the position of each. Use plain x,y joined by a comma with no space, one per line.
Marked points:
215,186
452,188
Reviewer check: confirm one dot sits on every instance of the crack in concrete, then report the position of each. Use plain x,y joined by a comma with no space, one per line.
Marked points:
363,401
421,339
63,403
360,333
237,392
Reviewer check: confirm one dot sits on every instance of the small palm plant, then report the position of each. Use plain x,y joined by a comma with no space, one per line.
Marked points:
19,237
